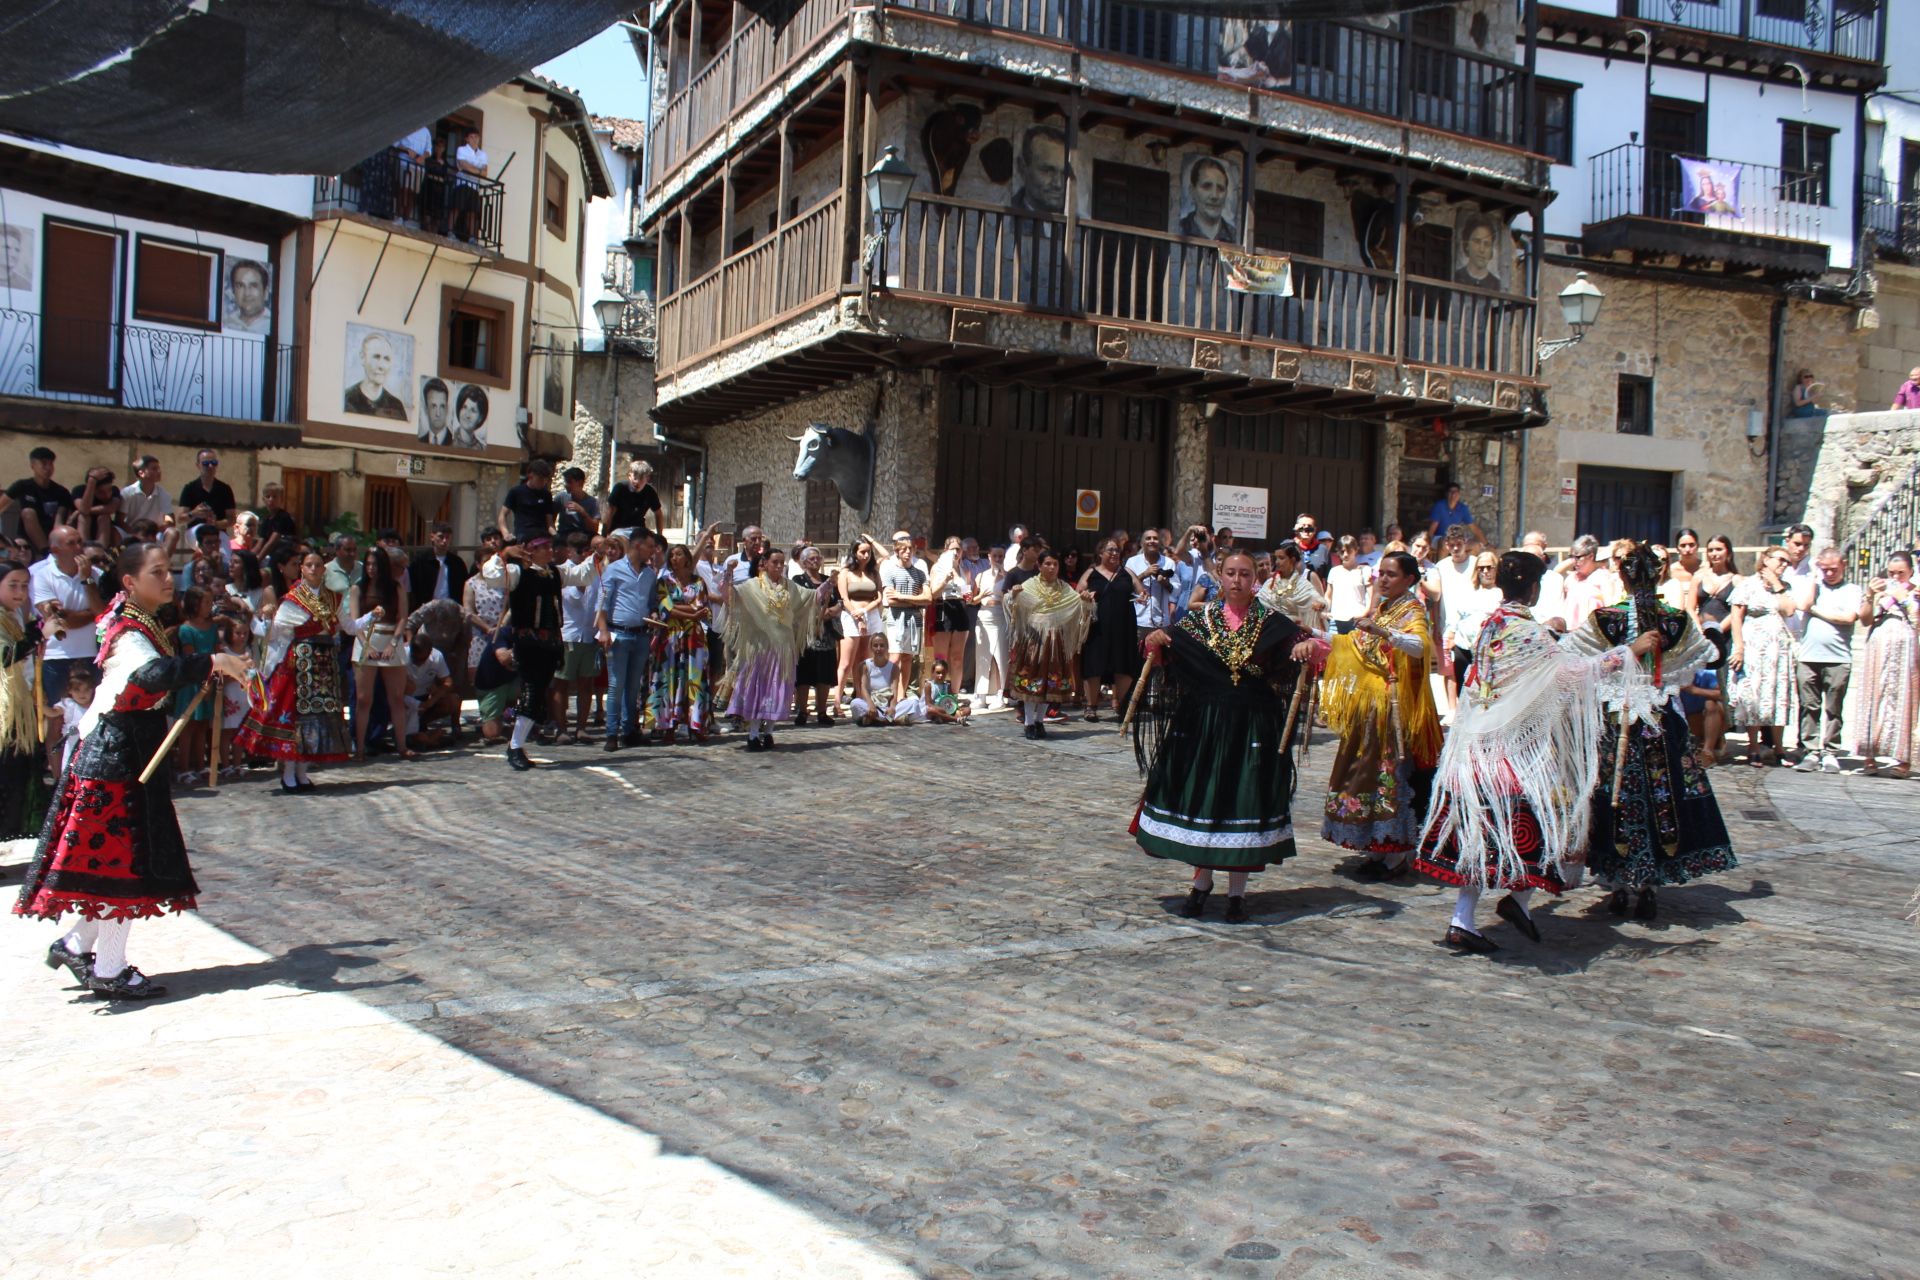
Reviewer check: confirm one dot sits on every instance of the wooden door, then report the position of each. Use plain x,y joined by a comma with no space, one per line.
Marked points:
80,304
309,499
1623,502
1674,128
389,505
1305,462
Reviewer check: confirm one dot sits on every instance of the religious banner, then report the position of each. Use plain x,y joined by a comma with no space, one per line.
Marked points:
1708,186
1266,273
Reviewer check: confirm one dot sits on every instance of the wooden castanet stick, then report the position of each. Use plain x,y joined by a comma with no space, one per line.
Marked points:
173,736
1139,687
213,750
1293,710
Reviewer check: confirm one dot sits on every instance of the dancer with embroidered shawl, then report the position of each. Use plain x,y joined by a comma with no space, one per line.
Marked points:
1664,826
1049,620
1219,787
769,621
1512,795
1375,695
23,795
111,850
298,718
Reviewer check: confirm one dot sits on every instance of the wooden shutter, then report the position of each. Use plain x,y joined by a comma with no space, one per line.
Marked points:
80,304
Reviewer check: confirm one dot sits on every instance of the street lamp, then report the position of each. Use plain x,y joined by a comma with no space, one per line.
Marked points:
889,183
1579,307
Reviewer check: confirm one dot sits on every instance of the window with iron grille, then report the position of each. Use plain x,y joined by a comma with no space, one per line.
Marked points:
1635,400
1806,158
746,505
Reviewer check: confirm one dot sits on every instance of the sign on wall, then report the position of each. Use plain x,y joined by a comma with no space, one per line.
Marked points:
1241,509
1086,509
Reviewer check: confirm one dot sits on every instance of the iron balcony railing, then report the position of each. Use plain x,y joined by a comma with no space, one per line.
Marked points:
1893,223
433,197
1843,28
1634,180
145,367
1346,64
1893,525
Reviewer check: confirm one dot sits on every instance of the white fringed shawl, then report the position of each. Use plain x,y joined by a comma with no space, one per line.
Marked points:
1527,728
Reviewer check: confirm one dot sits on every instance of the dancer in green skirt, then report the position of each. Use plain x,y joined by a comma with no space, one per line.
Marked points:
1219,786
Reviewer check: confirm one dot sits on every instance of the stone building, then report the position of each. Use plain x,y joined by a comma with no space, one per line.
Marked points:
1144,255
1708,164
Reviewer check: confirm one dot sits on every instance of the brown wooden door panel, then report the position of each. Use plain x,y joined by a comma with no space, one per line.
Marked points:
80,301
1304,463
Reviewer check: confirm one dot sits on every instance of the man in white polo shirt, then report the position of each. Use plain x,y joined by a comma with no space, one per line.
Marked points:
64,597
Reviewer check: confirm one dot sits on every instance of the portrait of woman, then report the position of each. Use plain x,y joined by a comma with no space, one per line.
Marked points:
1476,252
470,417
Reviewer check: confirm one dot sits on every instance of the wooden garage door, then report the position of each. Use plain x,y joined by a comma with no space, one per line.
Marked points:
1016,455
1622,502
1305,462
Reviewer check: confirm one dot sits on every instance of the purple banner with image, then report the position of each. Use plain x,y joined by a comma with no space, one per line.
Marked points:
1709,186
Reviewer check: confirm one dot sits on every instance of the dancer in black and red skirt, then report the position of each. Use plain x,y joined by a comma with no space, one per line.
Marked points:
111,850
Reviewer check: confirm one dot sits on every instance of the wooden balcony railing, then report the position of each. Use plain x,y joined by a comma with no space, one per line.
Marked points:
1344,64
756,55
794,268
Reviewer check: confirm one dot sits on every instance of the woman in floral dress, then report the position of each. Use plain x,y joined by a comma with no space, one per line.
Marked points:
1890,673
484,604
680,698
1763,656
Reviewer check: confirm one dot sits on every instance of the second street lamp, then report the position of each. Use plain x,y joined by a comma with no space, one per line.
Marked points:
1579,307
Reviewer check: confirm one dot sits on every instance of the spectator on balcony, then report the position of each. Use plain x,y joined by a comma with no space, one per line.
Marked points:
410,157
246,309
434,182
370,395
470,418
1908,397
42,503
471,162
146,498
1209,188
1806,397
436,422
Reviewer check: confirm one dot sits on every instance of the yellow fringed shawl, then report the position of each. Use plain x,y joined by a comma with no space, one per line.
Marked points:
19,718
1353,689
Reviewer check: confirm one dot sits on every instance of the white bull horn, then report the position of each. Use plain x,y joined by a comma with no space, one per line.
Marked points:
796,439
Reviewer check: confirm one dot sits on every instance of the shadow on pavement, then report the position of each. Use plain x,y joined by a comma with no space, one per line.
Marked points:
313,967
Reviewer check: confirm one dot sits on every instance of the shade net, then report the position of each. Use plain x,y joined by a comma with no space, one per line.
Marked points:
266,86
1290,9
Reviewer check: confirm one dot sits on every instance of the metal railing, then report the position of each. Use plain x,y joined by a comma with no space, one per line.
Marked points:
1634,180
1345,64
144,367
1893,223
433,197
1893,525
1844,28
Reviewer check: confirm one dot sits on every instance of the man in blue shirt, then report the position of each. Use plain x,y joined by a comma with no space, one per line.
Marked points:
1450,511
620,623
1190,573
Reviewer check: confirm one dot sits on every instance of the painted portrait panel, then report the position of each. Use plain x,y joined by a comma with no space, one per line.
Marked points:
379,374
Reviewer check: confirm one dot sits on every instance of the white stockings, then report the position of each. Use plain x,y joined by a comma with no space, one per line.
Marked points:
110,948
1236,882
522,730
1469,900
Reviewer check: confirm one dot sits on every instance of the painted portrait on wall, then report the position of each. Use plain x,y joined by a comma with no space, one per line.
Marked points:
1209,199
1258,53
1480,251
1040,170
379,373
247,297
16,256
453,415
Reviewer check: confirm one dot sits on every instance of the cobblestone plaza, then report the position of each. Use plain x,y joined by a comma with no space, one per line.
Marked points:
910,1003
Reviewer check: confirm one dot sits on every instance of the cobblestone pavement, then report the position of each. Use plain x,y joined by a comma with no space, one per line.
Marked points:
910,1002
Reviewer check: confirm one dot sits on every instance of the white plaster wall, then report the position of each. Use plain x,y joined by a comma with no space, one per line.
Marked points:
288,192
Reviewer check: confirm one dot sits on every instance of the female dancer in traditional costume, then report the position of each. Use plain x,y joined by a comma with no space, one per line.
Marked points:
1049,621
1664,826
679,698
297,716
769,621
22,792
1219,787
111,850
1511,796
1889,678
1375,695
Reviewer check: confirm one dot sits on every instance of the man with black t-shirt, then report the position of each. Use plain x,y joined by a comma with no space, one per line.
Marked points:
277,528
632,498
40,500
209,491
579,510
528,510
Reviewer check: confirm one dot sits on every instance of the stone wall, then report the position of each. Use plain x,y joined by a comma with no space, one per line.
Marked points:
597,376
1192,454
1891,348
1853,463
898,409
1707,350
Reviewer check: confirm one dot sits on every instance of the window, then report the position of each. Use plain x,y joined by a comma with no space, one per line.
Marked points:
1130,195
1806,160
553,202
476,338
309,498
1791,10
746,506
1635,397
1556,120
1433,67
1289,224
1430,252
176,283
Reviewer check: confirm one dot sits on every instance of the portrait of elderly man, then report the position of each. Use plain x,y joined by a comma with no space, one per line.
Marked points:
1209,196
368,393
1041,167
246,309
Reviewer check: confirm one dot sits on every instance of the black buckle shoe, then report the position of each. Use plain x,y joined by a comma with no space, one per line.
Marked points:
518,759
1514,914
1617,902
1647,907
78,963
1236,909
122,986
1196,904
1468,941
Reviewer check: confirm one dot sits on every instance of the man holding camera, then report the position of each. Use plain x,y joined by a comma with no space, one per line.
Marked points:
64,595
1154,569
1193,583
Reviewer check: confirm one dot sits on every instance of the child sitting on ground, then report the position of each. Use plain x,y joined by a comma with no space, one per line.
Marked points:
943,705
